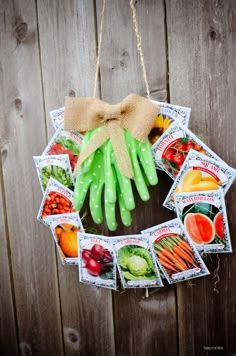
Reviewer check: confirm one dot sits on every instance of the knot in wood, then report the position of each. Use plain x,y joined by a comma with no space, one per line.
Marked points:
21,31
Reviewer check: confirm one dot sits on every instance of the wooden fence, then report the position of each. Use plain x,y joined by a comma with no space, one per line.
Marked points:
48,50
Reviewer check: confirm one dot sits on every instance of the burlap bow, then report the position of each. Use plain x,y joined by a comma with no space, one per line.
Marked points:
134,113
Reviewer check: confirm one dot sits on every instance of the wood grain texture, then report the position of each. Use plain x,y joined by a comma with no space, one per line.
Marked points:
143,326
68,58
202,75
23,134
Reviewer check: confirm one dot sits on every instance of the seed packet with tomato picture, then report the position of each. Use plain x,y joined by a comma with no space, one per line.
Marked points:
57,199
57,117
200,173
205,219
175,254
54,166
168,114
96,261
64,229
135,262
64,142
172,148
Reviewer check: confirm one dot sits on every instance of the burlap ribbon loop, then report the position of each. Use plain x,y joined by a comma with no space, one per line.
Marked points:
134,113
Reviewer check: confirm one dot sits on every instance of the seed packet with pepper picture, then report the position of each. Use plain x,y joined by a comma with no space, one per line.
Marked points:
64,229
135,262
175,254
57,117
54,166
64,142
96,261
57,199
168,114
205,219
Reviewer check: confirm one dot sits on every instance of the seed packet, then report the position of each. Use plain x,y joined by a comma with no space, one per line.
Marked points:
168,114
57,199
135,262
172,148
200,173
57,117
64,229
54,166
96,262
64,142
175,254
205,219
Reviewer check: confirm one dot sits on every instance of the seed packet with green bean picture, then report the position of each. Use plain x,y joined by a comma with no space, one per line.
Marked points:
175,254
57,117
54,166
205,219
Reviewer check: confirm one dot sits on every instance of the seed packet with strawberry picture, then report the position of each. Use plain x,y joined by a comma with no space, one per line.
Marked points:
64,142
135,262
168,114
175,254
57,199
57,117
205,219
200,173
96,262
64,229
54,166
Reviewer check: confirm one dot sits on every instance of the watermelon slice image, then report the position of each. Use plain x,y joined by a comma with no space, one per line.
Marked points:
219,226
200,228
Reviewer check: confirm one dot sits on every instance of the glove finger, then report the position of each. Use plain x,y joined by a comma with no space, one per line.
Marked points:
125,214
146,159
89,161
82,184
110,215
95,199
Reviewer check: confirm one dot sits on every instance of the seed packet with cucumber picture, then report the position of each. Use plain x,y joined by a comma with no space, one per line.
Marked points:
205,219
175,254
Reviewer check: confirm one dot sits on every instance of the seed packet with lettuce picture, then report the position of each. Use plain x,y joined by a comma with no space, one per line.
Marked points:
57,117
200,173
175,254
205,219
64,229
96,260
135,262
54,166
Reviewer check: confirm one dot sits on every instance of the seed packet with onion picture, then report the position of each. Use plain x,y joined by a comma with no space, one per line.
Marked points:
200,173
135,262
205,219
175,254
96,260
64,229
57,117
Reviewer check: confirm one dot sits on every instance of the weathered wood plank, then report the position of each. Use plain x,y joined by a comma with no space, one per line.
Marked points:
143,326
68,62
201,41
23,134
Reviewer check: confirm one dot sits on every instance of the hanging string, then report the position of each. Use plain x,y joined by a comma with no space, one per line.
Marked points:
139,47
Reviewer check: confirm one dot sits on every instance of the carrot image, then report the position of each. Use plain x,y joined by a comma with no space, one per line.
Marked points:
168,266
169,246
169,255
184,255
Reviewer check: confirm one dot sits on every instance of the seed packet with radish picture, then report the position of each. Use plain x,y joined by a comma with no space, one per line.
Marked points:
57,199
64,229
57,117
205,219
135,262
200,173
54,166
175,254
96,260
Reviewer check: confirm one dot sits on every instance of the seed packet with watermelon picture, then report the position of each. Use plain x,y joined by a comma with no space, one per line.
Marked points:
172,148
96,262
175,254
57,199
205,219
200,173
64,229
57,117
64,142
135,262
54,166
168,114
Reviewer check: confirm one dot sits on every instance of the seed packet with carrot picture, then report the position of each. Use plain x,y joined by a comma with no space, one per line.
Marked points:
57,117
200,173
57,199
64,229
205,219
175,254
96,261
135,262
